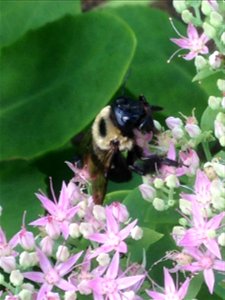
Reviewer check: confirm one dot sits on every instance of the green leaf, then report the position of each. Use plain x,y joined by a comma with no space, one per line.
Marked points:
136,248
113,3
203,74
19,182
208,118
146,214
194,287
56,79
17,17
117,195
167,85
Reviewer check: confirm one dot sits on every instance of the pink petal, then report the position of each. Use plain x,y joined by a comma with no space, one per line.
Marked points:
219,265
65,285
34,276
43,291
204,50
113,268
65,229
125,232
122,247
2,237
98,296
43,261
214,223
168,282
47,203
98,237
40,222
190,55
67,266
198,219
209,279
182,43
156,295
183,289
126,282
114,296
96,285
63,197
71,212
112,224
213,247
190,239
192,32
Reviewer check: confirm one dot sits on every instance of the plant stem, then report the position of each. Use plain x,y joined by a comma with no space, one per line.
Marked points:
206,150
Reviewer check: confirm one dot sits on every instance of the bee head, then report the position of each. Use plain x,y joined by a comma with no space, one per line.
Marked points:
129,114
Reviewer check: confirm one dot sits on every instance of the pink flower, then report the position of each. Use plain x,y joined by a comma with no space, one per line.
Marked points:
7,254
61,213
170,290
113,238
193,42
205,262
202,231
52,275
190,161
111,285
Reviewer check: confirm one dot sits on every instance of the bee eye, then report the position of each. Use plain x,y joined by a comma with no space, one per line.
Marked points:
102,128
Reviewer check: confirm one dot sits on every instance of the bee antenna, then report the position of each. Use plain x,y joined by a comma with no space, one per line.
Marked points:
125,82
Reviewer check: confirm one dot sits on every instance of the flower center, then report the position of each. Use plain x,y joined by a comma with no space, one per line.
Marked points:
109,286
206,262
52,277
114,240
197,45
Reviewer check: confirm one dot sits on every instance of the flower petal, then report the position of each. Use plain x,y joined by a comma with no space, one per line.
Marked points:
183,289
113,268
168,282
47,203
182,43
156,295
213,247
34,276
125,232
209,279
126,282
112,224
67,266
192,32
45,288
65,285
43,261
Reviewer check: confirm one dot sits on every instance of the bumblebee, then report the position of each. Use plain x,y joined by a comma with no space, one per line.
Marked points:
113,134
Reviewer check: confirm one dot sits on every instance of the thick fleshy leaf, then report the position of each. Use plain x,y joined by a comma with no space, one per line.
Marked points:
57,78
149,237
167,85
194,287
19,182
17,17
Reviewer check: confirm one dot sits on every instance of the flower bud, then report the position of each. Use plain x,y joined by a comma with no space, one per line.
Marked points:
222,141
74,230
27,240
209,30
214,102
129,295
187,16
82,208
172,181
193,130
223,102
221,85
200,62
52,229
99,212
158,183
216,19
25,260
120,211
28,286
221,239
157,125
220,117
178,233
25,295
8,263
185,206
206,8
11,297
218,203
103,259
183,222
177,133
86,229
173,122
62,253
69,295
209,171
47,245
16,278
215,60
52,296
219,169
171,202
147,192
223,38
136,233
179,5
0,210
159,204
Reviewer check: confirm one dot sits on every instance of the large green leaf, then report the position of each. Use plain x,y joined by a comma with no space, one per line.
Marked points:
56,79
17,17
19,182
168,85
